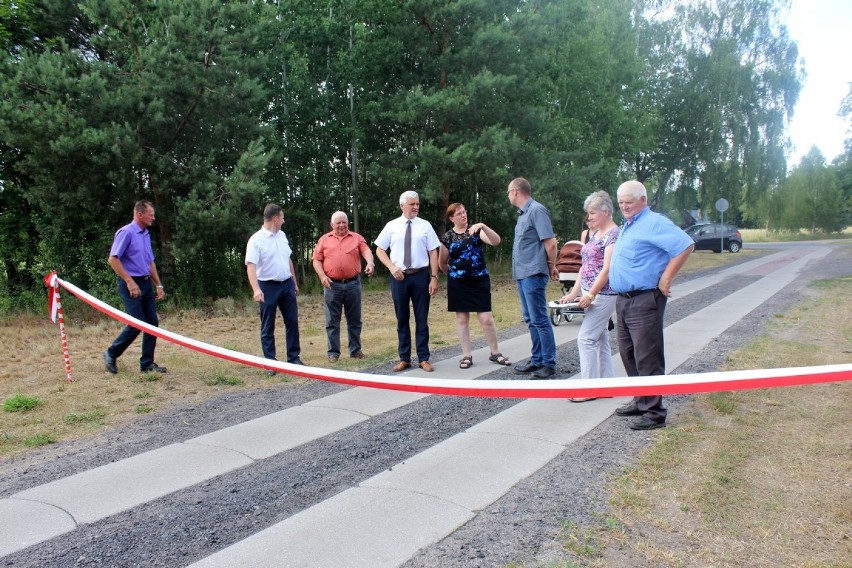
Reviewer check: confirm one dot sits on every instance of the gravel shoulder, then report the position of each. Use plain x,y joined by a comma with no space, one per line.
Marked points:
523,526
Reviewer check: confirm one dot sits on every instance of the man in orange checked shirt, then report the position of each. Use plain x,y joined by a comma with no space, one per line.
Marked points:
337,262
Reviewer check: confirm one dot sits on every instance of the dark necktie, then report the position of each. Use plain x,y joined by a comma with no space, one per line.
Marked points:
406,259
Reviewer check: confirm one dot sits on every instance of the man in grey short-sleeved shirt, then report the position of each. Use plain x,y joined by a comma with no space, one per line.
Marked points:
533,266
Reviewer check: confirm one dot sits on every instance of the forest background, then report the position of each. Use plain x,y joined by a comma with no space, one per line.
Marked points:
212,108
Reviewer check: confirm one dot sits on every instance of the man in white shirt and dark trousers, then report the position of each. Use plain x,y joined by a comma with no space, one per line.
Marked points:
271,275
413,266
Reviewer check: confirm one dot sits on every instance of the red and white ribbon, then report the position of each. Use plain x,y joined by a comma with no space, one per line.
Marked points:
566,388
54,308
52,293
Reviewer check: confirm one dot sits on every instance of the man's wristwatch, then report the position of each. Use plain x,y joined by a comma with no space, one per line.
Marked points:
435,276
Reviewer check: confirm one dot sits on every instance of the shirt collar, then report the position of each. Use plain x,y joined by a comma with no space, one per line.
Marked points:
526,206
633,219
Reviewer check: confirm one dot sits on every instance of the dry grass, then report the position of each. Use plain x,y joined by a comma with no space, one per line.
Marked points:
752,478
764,236
33,365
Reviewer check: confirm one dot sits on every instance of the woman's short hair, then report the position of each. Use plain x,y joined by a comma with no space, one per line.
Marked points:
599,201
451,210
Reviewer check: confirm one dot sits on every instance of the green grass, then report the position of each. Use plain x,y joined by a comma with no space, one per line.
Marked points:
722,402
578,541
38,440
96,415
21,403
219,377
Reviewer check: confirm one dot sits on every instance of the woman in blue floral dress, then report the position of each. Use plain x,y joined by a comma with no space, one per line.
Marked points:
462,258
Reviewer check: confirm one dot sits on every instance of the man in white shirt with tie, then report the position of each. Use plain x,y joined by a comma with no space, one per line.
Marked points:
413,266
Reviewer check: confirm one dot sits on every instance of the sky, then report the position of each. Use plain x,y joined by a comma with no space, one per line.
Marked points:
823,31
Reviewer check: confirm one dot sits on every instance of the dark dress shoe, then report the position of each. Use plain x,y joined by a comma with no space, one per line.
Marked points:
109,363
645,423
629,409
296,361
333,358
358,355
543,373
154,368
401,366
523,369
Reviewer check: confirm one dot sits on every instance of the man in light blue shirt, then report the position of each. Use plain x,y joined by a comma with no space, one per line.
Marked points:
533,266
647,256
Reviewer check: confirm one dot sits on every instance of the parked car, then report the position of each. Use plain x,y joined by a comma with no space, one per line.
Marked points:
716,237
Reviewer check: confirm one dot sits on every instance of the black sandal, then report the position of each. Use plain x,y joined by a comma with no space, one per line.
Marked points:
499,359
466,362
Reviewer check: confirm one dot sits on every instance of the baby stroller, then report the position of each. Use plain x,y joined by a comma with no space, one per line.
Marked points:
568,264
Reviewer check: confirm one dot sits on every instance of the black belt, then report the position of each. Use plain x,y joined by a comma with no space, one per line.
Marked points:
141,278
275,281
634,293
409,271
344,280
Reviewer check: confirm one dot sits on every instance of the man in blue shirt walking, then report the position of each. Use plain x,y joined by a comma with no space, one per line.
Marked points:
139,286
647,256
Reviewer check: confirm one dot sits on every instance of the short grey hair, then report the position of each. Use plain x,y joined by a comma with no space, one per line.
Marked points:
633,188
599,201
338,214
521,185
407,195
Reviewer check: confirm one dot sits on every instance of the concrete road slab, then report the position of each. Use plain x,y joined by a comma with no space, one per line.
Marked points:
98,493
367,401
551,420
482,468
25,523
681,289
274,433
685,336
359,528
516,349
